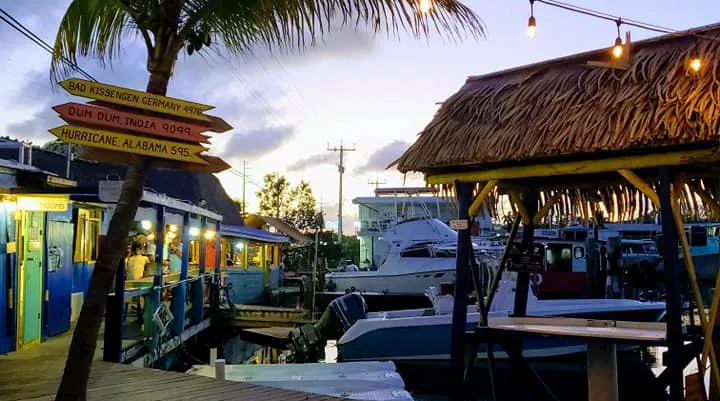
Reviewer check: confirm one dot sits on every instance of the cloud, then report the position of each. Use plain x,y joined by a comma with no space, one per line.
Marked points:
36,128
312,161
379,160
256,142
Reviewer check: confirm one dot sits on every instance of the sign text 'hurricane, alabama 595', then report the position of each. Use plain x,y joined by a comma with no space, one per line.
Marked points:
96,138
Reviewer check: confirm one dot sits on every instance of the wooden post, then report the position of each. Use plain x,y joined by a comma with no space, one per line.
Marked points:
672,302
459,317
114,316
602,372
529,203
179,292
152,300
198,286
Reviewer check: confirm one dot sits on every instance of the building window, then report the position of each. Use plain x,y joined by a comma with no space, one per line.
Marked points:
87,236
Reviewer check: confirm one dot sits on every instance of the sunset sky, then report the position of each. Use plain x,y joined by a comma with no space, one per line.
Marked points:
370,91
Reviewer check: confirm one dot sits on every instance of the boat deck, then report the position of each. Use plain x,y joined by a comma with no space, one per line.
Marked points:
35,375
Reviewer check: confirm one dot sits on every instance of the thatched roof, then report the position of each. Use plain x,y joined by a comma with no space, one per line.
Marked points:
565,108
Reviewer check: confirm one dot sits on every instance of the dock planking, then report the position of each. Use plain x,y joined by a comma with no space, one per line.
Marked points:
35,375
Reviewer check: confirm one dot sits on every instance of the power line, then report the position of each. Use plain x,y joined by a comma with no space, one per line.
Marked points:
23,30
614,18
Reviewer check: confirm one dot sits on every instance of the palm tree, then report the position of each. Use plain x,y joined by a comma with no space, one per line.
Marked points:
96,28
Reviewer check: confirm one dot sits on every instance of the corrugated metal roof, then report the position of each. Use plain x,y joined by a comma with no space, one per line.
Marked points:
254,234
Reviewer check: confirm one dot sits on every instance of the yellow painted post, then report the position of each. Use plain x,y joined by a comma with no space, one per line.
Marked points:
545,209
685,247
707,343
515,199
640,184
480,198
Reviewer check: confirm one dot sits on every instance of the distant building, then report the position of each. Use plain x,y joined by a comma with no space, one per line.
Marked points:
377,214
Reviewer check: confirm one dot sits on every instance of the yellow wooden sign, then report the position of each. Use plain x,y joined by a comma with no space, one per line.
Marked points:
134,98
42,203
186,152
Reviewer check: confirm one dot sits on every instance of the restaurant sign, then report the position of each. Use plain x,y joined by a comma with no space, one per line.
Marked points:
42,204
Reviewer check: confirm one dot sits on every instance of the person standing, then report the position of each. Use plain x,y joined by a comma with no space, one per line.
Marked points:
175,255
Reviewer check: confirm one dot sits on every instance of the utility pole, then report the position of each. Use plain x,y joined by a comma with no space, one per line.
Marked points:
377,183
244,177
341,170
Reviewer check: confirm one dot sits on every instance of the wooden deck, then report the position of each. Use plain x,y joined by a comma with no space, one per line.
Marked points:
35,375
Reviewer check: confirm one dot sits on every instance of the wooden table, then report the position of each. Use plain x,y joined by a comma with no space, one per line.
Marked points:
602,337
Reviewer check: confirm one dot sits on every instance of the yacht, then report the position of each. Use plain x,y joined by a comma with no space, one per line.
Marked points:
413,255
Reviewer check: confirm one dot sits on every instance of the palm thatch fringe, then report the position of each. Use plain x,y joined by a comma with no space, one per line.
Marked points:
699,200
566,107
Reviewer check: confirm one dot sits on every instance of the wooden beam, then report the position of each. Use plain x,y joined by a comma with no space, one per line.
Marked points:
515,199
641,185
480,198
545,209
685,248
580,167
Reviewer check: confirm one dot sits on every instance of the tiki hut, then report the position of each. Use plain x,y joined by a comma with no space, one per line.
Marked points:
563,110
636,136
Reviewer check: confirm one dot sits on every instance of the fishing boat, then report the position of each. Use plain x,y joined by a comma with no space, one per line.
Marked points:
423,335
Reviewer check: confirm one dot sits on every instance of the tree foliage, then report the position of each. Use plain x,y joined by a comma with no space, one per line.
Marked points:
294,205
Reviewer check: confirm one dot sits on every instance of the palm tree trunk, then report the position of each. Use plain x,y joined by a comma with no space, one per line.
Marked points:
84,341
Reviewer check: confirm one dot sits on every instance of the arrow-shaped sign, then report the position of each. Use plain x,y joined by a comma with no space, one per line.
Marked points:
136,99
213,123
84,114
160,148
214,164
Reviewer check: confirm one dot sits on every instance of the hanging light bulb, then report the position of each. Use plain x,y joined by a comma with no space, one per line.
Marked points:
695,64
532,26
617,50
425,6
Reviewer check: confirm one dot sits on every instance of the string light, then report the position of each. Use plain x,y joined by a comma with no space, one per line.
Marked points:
532,26
695,64
617,50
425,6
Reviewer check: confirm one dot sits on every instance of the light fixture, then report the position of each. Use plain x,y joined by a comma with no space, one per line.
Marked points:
209,234
171,235
239,245
9,206
173,228
146,224
532,26
194,231
695,64
425,6
617,50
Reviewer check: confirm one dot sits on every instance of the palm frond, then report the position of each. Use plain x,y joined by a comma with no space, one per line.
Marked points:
291,24
93,28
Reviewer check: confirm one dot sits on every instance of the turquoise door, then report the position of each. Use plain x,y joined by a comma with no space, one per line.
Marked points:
59,276
30,277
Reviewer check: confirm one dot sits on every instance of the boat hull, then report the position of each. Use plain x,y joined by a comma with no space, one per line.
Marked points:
430,343
411,283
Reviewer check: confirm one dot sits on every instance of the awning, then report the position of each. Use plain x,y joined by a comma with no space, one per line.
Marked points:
250,233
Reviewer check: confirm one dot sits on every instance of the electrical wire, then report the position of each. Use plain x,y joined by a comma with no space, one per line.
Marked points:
621,20
29,34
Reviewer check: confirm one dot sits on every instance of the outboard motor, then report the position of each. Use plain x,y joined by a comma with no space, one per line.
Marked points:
308,341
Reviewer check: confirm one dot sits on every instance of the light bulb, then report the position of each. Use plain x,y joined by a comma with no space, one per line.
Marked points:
696,64
239,245
425,6
171,235
173,227
532,27
146,224
194,231
617,50
209,234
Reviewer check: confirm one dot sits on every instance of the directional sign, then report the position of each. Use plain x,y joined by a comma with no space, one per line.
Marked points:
214,164
136,99
83,114
213,123
129,143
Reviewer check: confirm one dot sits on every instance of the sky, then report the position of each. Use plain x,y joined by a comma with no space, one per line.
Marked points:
356,88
